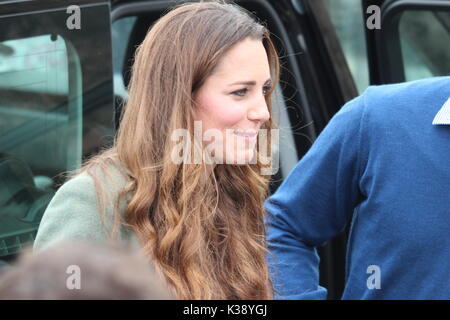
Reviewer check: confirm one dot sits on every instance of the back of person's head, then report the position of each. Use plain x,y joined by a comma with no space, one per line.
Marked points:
82,271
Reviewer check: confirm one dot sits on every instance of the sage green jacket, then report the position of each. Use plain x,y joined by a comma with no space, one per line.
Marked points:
73,213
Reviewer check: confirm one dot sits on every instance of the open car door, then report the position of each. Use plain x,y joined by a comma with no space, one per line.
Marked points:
56,104
412,41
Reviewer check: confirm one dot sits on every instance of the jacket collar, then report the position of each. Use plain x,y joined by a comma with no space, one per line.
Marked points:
443,116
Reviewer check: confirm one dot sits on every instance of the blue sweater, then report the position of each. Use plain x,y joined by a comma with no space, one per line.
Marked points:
383,166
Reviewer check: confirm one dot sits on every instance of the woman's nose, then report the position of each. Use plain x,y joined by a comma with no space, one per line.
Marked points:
259,112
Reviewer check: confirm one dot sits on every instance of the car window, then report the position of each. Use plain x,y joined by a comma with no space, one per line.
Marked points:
121,30
350,32
55,107
425,43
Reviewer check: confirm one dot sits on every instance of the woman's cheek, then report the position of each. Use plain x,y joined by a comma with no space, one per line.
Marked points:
230,114
220,111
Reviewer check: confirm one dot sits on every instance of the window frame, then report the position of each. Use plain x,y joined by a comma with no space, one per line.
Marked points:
387,54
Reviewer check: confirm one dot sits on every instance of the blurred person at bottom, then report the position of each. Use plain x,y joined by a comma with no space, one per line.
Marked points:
86,270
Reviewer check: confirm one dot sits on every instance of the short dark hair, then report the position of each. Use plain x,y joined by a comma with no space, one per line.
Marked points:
106,272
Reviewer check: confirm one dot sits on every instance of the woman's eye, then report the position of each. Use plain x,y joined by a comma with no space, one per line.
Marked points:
266,89
240,92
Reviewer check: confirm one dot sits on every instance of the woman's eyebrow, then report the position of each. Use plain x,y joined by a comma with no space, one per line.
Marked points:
249,83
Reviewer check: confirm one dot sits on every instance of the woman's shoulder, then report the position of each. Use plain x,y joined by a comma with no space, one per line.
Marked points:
84,206
100,184
105,169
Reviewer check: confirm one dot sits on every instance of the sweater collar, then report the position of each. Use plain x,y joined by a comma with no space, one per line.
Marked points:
443,116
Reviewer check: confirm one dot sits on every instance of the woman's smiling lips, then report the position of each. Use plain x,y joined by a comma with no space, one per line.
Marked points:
246,134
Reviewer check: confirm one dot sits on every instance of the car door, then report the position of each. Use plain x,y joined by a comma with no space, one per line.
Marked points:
412,41
56,104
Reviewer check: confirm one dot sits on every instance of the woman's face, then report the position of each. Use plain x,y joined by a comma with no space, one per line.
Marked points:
231,103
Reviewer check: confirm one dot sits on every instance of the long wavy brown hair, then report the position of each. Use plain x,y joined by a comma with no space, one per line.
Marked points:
202,225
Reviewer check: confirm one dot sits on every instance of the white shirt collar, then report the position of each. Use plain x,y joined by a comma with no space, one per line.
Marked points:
443,116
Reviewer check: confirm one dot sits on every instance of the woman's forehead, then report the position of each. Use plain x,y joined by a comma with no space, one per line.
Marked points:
247,58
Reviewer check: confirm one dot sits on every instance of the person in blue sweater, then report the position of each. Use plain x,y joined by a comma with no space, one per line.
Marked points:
383,164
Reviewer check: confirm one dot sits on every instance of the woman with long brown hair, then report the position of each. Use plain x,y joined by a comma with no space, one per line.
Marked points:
200,222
